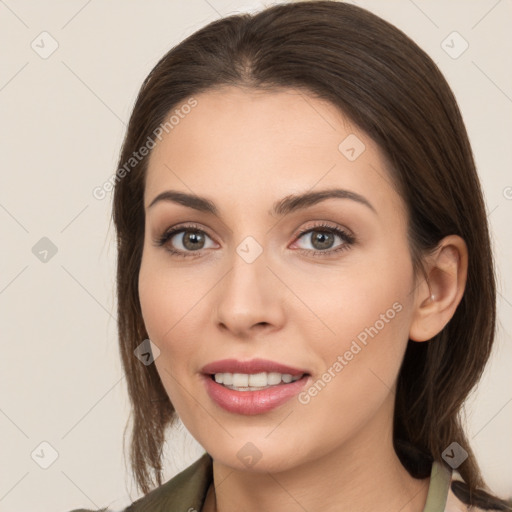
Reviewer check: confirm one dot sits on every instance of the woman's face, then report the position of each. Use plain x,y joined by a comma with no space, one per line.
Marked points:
245,284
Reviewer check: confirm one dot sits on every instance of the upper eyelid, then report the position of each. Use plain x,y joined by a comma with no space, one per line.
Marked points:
298,233
348,240
197,227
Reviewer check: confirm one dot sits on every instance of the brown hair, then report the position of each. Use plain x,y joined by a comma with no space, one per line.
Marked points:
391,89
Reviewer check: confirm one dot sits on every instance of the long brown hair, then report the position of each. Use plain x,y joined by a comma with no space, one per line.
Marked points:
391,89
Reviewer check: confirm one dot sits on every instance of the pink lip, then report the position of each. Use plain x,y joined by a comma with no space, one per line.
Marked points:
251,402
252,366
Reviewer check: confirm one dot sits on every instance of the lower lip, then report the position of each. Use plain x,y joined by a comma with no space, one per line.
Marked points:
252,402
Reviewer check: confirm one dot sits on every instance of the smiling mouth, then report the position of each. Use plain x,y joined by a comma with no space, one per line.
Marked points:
252,387
254,381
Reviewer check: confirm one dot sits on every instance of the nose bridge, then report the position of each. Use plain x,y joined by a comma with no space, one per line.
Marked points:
248,277
249,293
250,248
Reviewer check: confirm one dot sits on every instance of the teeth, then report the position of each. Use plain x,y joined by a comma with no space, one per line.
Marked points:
273,378
257,380
253,381
240,380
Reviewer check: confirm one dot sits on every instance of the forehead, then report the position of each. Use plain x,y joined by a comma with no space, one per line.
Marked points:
232,120
263,145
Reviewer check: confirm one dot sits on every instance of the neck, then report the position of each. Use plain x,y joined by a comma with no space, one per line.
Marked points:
364,474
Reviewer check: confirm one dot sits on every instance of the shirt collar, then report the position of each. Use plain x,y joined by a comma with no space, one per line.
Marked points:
187,490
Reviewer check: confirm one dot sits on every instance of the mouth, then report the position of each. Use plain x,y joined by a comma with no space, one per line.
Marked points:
254,381
252,387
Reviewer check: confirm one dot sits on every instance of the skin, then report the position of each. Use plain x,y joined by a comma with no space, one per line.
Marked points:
244,150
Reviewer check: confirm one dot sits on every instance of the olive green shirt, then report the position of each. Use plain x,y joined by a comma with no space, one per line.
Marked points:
186,492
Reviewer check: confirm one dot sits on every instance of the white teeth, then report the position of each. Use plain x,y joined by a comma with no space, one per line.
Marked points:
240,380
273,378
257,380
254,380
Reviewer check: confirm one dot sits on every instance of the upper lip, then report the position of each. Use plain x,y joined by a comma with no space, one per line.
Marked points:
251,366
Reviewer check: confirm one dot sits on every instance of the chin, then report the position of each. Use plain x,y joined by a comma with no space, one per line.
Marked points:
257,456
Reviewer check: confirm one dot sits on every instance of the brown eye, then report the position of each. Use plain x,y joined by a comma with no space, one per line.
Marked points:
322,239
192,240
184,240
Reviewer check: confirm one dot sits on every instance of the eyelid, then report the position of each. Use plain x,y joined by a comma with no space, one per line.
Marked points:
180,228
345,234
327,226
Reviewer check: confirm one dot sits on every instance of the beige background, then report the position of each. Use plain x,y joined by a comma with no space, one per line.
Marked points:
62,122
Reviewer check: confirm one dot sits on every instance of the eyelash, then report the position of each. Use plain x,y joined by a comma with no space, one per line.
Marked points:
347,238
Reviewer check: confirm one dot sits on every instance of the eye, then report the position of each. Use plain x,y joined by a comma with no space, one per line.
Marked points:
322,238
189,239
184,240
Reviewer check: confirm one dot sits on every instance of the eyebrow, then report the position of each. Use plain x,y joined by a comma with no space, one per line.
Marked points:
282,207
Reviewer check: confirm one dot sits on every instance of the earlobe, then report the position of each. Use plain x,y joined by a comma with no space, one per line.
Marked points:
438,296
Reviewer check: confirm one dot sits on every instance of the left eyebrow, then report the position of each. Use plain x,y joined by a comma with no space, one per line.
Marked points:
296,202
282,207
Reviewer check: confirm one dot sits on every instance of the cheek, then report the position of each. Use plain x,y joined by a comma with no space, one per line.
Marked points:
174,316
165,297
162,308
365,292
370,315
368,311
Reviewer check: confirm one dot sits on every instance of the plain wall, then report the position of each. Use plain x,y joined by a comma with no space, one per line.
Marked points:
62,119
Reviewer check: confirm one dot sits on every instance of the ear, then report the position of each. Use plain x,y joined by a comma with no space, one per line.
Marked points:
437,296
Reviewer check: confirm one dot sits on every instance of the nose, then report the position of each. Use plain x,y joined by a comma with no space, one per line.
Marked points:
249,299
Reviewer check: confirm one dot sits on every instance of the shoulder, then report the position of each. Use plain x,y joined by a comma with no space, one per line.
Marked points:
448,492
458,498
184,492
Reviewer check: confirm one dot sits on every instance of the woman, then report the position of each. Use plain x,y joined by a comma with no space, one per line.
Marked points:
302,236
